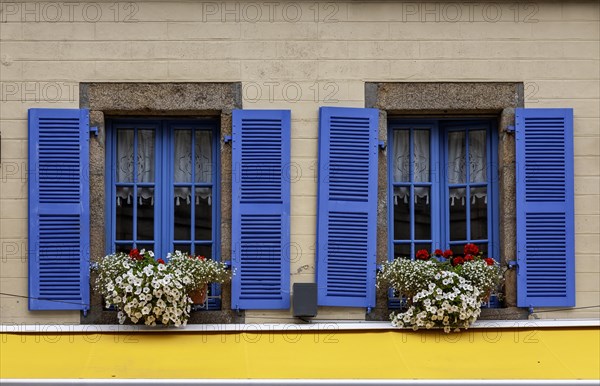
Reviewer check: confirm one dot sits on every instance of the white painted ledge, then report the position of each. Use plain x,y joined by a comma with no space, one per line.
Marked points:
324,326
294,382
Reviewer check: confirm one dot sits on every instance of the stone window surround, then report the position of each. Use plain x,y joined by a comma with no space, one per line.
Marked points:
158,99
443,99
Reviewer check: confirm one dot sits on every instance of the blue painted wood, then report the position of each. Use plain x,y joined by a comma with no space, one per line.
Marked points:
545,208
261,209
59,230
347,206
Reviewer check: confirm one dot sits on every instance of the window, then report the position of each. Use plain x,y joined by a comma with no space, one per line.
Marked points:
164,187
442,186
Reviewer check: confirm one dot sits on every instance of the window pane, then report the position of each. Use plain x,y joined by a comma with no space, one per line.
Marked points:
401,156
421,155
146,247
145,214
125,248
203,214
477,156
479,223
185,248
203,155
145,157
457,173
458,249
402,250
182,215
483,247
203,250
458,214
422,213
124,213
401,213
182,159
125,156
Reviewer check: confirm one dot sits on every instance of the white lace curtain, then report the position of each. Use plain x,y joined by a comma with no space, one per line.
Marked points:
182,165
456,168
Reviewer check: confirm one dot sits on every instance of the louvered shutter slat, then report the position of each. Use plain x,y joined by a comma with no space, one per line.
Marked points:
347,210
260,209
545,209
58,209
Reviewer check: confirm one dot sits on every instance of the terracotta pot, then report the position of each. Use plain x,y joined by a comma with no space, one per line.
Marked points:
199,295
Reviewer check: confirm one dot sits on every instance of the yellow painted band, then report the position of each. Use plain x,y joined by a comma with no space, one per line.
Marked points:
548,353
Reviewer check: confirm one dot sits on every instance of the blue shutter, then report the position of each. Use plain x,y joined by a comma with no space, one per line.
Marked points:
545,210
59,219
347,206
261,209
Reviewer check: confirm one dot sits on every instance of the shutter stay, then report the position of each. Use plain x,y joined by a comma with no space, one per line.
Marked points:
382,145
510,129
227,138
94,131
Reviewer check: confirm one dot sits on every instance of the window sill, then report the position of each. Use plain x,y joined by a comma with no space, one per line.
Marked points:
320,326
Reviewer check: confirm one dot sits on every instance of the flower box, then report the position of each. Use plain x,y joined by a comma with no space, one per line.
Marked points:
156,291
441,290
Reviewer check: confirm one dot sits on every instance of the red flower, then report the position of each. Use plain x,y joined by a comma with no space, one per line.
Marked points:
134,254
489,261
438,252
201,257
457,261
471,249
422,254
469,258
160,261
448,253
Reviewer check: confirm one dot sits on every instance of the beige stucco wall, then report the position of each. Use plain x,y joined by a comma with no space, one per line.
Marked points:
298,56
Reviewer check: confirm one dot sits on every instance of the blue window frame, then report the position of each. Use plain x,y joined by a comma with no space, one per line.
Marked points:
442,189
163,188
